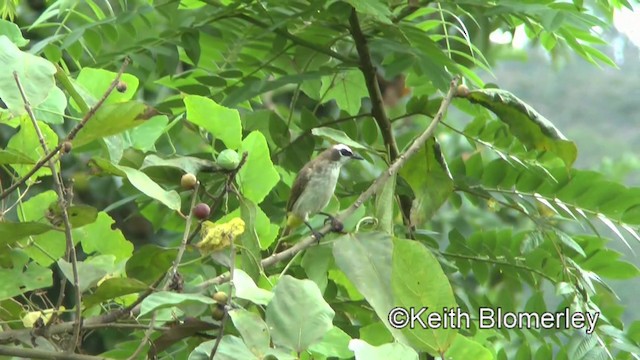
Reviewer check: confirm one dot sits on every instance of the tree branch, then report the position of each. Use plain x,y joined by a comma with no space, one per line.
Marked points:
63,204
375,187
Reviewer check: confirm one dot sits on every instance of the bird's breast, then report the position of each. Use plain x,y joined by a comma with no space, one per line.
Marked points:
317,192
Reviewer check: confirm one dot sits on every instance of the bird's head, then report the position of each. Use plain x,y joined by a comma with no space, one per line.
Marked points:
341,154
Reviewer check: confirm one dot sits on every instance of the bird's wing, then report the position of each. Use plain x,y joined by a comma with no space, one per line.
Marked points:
298,185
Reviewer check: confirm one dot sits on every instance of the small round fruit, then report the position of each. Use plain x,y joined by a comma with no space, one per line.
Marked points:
201,211
228,159
221,297
188,181
462,90
66,147
217,313
121,86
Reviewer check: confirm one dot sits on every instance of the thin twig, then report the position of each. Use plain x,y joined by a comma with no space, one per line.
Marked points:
72,134
63,204
227,306
374,188
171,274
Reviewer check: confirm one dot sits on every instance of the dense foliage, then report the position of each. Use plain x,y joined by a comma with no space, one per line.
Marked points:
124,208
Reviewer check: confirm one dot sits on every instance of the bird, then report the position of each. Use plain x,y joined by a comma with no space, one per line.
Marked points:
314,185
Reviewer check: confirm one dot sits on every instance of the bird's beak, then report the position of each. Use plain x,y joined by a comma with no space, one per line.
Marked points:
356,157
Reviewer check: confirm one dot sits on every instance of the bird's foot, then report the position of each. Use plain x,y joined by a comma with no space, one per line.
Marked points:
317,235
336,225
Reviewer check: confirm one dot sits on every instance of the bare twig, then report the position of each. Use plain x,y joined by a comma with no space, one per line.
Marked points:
375,187
62,202
227,306
72,134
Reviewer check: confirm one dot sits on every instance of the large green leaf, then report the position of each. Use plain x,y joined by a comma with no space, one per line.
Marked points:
531,128
12,232
142,182
293,301
347,88
110,242
150,262
429,178
230,348
12,31
417,281
96,81
258,175
247,289
112,119
26,142
164,299
464,348
365,258
34,72
22,278
112,288
253,329
222,122
392,351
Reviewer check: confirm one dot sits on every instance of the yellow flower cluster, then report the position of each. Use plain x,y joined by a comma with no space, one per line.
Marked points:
216,237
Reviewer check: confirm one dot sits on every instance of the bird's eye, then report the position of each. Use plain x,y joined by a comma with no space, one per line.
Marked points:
345,152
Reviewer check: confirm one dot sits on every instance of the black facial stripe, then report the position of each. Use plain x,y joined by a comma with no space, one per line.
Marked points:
345,152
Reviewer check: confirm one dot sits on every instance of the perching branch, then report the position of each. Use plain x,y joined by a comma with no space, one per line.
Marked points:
374,188
63,204
72,134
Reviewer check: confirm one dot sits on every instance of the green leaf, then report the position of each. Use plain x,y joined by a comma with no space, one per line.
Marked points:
258,175
230,348
464,348
95,82
335,343
337,137
34,72
142,182
418,281
113,288
188,164
112,119
26,141
13,156
22,279
150,262
12,32
384,206
12,232
429,178
253,329
165,299
90,271
393,351
365,258
222,122
294,300
531,128
51,110
378,9
246,288
145,136
250,256
347,88
101,237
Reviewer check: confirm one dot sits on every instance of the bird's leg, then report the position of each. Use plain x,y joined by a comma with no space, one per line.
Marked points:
316,234
336,225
